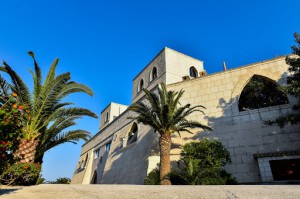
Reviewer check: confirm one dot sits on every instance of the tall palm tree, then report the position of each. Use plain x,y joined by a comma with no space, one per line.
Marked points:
165,115
50,116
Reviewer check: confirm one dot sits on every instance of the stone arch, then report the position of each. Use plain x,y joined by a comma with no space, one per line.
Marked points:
243,80
261,92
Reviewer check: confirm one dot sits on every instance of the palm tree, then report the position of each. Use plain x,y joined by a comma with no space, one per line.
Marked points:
166,117
50,116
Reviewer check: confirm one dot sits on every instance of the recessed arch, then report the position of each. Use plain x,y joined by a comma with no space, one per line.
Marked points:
193,72
261,92
153,74
132,134
141,85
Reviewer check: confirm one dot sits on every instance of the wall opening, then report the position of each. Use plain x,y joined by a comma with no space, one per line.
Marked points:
132,135
141,85
261,92
193,72
153,74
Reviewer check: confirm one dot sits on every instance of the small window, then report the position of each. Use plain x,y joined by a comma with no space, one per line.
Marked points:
107,147
106,117
261,92
193,72
97,153
85,161
132,135
153,74
141,85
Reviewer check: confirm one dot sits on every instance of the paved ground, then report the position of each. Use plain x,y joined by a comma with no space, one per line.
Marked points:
152,192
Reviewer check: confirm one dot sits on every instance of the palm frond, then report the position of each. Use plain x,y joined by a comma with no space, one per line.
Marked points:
18,84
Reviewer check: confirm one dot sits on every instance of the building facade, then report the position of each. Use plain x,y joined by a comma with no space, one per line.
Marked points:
124,152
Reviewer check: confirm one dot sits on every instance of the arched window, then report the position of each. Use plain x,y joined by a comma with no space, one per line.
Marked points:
153,74
261,92
141,85
106,117
193,72
132,135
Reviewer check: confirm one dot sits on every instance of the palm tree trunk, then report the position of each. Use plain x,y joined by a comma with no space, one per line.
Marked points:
165,166
26,151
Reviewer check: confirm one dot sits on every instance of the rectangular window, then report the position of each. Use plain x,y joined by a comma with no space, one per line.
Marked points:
107,147
97,153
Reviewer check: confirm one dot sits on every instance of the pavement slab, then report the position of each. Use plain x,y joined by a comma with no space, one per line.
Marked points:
53,191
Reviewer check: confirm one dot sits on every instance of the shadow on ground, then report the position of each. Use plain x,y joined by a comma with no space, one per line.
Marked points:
8,190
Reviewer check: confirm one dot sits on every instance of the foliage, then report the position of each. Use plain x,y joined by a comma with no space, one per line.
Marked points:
166,116
152,178
204,163
40,180
21,174
292,87
61,181
50,115
260,93
13,118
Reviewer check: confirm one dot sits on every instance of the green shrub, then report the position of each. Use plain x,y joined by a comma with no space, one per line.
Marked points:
40,180
203,164
61,181
21,174
152,178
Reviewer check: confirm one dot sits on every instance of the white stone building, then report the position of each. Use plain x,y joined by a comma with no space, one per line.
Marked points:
124,152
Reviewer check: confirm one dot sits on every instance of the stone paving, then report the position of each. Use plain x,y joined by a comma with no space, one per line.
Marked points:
47,191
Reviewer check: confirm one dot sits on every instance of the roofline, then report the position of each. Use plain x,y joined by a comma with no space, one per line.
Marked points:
110,104
233,69
150,62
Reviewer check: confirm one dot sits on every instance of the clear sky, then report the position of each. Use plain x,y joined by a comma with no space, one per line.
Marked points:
105,43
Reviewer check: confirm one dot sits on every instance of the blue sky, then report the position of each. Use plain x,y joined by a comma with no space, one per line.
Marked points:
104,44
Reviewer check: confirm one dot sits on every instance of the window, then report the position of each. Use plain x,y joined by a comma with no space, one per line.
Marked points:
153,74
261,92
107,147
97,153
132,135
141,85
106,117
85,161
193,72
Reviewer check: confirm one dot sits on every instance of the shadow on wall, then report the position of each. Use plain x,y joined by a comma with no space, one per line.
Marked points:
128,165
244,133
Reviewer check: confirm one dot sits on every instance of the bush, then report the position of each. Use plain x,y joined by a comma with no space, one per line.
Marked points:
13,117
152,178
21,174
203,164
61,181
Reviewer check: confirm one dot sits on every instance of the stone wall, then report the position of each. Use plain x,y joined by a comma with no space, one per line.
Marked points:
243,133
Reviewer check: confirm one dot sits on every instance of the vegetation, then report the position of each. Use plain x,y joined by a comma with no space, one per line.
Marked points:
61,181
292,87
166,117
203,164
21,174
49,115
13,117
